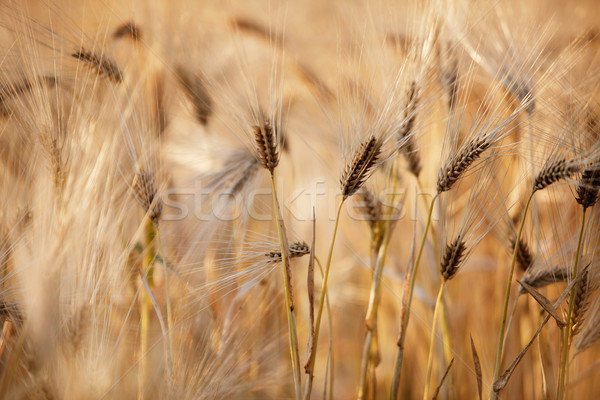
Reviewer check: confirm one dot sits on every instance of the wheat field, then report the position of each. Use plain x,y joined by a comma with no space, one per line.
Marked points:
314,199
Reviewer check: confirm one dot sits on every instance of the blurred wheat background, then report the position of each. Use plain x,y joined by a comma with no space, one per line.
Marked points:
311,199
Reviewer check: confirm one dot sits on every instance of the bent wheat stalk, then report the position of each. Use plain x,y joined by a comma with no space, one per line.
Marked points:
552,173
566,345
354,176
267,140
289,299
500,349
406,303
370,354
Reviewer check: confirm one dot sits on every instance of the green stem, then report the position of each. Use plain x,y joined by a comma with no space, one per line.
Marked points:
500,349
313,352
567,335
432,343
291,317
406,307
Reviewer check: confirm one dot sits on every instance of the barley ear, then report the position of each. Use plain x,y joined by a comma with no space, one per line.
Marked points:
145,193
267,145
552,173
361,167
452,258
101,64
459,163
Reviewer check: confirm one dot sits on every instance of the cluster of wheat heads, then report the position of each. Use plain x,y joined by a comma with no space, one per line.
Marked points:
299,200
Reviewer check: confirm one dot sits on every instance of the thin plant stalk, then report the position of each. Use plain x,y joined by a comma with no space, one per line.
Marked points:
500,349
432,230
567,334
291,317
432,343
12,362
512,314
405,314
443,311
168,301
148,272
328,388
369,355
311,366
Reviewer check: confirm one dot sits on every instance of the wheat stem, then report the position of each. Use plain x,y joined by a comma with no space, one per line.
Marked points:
432,343
168,301
369,356
405,314
567,334
512,314
500,349
443,312
311,366
148,272
291,317
328,389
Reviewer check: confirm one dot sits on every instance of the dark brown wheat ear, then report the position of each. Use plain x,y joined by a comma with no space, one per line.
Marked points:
267,144
588,187
145,193
239,182
101,64
452,258
589,182
581,300
370,208
197,92
362,165
297,249
459,163
538,278
524,256
552,173
128,29
406,141
12,90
